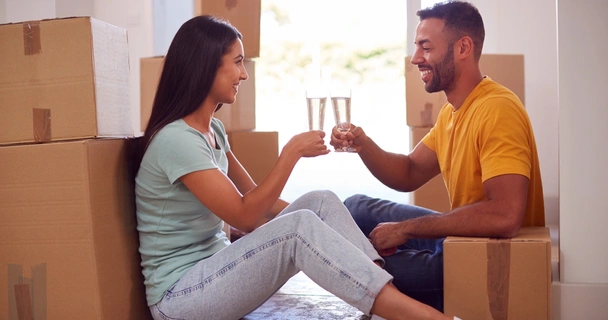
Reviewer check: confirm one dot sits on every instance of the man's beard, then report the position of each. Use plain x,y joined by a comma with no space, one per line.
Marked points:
443,73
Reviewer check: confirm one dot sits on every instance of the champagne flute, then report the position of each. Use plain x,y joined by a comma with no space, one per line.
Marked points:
315,100
340,99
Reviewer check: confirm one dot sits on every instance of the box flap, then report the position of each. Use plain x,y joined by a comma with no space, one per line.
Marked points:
525,234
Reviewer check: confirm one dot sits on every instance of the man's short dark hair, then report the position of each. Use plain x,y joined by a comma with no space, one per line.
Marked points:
461,19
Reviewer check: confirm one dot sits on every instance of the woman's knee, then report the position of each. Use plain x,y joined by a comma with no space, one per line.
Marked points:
320,195
301,217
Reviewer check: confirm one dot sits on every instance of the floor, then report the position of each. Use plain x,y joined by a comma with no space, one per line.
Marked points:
301,299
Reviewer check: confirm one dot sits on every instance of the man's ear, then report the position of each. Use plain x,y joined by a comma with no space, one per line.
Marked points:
464,47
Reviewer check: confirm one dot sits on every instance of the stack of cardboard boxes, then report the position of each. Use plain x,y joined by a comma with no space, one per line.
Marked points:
256,150
68,238
483,278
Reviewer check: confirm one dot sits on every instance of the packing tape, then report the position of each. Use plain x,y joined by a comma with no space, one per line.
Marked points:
24,302
499,262
31,38
41,119
26,296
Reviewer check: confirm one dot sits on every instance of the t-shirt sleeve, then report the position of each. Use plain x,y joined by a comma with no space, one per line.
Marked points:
504,140
429,140
184,152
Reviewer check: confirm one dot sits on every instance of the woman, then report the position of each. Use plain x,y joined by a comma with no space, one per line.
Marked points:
189,182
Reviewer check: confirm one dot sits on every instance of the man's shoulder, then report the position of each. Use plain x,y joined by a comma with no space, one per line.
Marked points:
492,90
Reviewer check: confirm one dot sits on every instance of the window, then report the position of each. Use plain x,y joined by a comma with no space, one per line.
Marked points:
345,42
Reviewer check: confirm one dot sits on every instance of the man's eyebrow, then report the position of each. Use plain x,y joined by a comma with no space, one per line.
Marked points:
421,42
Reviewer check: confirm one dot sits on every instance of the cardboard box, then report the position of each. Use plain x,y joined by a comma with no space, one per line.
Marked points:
499,278
422,108
238,116
506,69
257,151
243,15
63,79
433,194
149,75
68,238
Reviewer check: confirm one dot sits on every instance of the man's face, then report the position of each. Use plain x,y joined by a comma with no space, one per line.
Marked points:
434,56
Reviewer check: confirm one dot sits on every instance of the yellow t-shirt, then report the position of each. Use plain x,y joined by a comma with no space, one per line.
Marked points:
490,135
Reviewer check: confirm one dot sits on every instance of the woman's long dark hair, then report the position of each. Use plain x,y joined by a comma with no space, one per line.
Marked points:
190,66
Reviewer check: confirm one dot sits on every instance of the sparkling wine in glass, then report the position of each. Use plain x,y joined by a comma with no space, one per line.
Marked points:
315,100
341,104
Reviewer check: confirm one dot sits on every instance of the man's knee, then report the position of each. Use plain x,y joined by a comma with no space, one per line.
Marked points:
353,201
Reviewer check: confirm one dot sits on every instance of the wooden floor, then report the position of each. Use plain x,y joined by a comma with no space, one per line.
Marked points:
301,299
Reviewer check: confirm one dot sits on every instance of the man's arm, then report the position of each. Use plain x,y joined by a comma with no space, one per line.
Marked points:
397,171
499,216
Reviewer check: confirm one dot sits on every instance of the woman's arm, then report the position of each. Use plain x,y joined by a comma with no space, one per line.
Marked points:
244,183
250,209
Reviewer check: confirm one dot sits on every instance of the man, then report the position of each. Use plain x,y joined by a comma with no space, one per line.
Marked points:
482,144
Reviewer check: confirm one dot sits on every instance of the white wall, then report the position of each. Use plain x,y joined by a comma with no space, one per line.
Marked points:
23,10
169,15
2,11
583,137
133,15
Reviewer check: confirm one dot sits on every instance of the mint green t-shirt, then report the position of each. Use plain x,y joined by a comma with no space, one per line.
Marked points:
175,229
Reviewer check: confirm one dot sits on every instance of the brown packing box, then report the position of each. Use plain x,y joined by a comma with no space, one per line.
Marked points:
499,278
433,194
68,238
63,79
149,75
257,151
235,117
243,15
422,108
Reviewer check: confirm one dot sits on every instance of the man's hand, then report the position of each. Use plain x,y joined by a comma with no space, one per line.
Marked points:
354,138
387,236
385,252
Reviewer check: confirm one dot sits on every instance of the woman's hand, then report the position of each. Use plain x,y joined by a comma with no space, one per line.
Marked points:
307,144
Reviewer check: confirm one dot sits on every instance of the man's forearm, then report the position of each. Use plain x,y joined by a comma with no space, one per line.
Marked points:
481,219
389,168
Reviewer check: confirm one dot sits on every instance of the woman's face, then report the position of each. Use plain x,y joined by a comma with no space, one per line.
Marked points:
229,75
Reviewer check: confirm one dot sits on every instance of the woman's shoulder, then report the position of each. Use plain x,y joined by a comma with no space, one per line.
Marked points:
172,129
177,130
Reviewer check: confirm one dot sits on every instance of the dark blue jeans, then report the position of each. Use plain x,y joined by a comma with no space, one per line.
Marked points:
417,267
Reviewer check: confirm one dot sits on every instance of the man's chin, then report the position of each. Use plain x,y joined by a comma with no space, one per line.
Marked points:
432,88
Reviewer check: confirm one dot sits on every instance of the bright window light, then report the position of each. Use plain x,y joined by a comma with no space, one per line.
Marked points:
344,43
